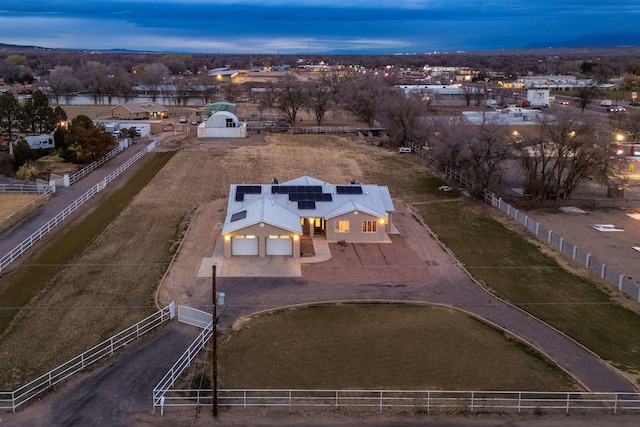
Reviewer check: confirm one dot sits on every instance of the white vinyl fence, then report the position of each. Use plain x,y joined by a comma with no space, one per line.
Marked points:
192,317
570,250
12,400
426,401
58,219
619,280
39,187
95,165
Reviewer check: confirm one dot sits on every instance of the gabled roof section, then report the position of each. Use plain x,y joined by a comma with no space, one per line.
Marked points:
262,211
305,180
351,206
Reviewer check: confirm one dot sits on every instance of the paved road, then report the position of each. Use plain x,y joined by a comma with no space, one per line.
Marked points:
64,196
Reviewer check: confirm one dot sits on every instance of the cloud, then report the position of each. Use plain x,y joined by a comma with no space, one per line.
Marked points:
374,26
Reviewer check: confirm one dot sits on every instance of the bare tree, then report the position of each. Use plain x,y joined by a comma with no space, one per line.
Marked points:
228,91
291,98
153,76
587,93
403,116
364,97
561,156
319,101
483,155
61,83
94,76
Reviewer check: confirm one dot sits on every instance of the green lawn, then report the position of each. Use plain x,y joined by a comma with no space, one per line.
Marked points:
372,346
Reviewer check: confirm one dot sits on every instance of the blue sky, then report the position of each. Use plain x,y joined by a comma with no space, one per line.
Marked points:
318,26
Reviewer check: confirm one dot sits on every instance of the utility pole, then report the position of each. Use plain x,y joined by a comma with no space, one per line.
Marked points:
214,339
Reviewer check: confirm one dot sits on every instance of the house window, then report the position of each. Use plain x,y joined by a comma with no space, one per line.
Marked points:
231,123
342,226
369,226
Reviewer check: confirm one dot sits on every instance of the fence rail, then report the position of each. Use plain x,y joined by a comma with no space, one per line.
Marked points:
14,399
620,281
40,187
183,362
570,250
429,401
55,221
95,165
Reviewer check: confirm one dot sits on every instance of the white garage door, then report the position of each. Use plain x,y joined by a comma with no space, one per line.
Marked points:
244,245
279,245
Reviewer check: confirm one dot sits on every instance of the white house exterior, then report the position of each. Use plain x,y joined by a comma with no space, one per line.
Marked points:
266,220
222,124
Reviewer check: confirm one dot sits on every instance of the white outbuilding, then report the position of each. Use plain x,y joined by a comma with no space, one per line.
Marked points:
222,124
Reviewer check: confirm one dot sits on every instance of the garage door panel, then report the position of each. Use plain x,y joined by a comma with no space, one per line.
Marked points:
280,245
244,246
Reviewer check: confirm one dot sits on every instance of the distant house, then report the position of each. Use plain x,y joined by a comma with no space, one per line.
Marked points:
222,74
222,124
139,111
266,220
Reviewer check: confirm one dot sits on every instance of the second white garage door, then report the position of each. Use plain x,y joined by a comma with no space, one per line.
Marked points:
279,245
244,245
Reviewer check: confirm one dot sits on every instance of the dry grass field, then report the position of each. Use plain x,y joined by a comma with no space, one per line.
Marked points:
10,203
111,284
14,207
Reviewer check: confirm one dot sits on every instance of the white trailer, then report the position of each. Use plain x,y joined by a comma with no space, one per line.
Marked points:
538,97
40,142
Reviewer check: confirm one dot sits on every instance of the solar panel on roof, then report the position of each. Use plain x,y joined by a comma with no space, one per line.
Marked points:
238,216
239,196
280,189
348,189
249,189
306,204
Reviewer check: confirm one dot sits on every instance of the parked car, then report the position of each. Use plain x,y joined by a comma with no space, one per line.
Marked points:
617,109
564,102
194,122
183,119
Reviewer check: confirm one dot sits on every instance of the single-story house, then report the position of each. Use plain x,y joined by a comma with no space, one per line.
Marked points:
139,111
222,124
266,220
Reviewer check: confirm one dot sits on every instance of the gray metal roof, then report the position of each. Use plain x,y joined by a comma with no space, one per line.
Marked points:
278,210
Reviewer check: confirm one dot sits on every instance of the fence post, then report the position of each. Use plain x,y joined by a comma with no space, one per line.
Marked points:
381,401
568,400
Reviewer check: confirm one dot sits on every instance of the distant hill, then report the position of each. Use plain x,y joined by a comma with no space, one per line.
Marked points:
605,45
591,40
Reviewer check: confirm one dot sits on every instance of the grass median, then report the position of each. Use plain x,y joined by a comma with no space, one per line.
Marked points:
381,346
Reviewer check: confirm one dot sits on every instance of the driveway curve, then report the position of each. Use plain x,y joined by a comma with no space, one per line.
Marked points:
414,267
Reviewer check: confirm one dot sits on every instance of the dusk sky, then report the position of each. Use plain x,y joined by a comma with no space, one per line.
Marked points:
318,26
